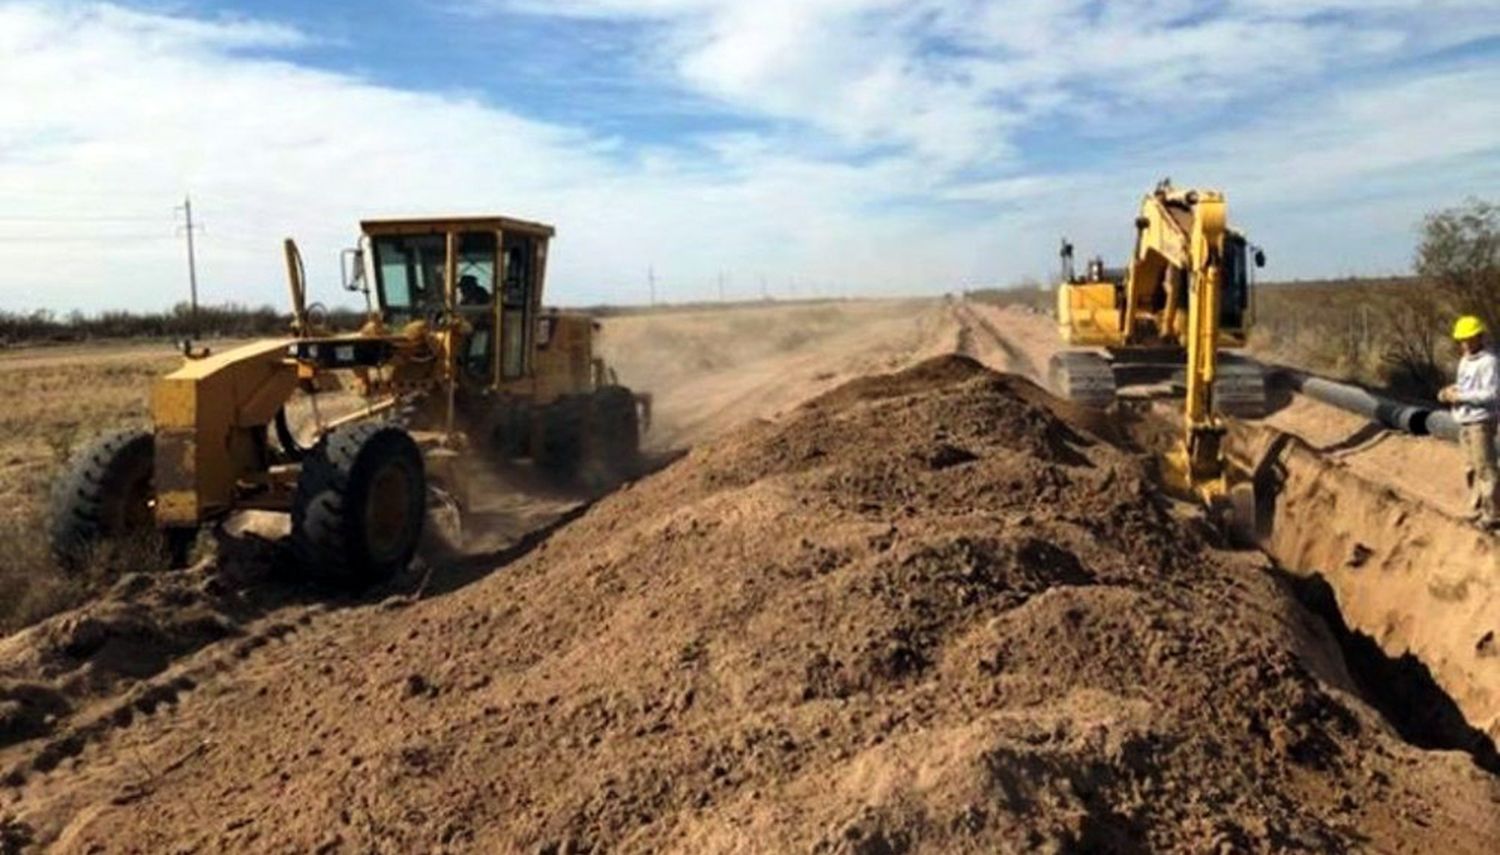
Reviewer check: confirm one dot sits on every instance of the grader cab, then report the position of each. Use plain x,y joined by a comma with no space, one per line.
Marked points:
457,358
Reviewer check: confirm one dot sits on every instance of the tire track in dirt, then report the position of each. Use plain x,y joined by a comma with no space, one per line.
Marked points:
984,341
712,371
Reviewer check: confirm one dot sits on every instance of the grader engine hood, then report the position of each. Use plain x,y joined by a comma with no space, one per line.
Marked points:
565,361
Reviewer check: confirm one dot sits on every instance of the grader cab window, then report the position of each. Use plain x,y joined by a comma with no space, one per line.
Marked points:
516,305
476,269
410,270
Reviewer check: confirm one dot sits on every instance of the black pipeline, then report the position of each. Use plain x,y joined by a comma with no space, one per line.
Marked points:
1409,418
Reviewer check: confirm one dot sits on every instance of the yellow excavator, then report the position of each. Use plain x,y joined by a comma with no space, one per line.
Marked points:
1185,295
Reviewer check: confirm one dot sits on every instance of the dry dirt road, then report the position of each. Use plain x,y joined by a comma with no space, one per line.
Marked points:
929,612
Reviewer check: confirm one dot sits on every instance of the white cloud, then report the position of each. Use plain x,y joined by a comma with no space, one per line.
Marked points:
952,80
110,111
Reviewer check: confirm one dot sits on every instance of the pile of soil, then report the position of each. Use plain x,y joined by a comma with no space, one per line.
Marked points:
133,631
927,611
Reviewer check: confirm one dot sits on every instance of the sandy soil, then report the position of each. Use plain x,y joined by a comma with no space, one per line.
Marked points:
927,612
931,612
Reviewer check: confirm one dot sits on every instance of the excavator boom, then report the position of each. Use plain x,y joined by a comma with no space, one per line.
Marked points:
1183,297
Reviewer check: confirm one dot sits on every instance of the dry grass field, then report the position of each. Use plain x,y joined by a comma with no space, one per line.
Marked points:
1390,334
52,399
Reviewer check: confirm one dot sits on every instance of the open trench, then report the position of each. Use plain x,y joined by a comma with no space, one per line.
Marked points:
1411,594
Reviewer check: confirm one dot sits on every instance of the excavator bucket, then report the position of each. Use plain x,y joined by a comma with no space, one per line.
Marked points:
1241,520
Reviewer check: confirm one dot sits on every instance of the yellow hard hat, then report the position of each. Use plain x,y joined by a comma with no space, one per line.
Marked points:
1468,326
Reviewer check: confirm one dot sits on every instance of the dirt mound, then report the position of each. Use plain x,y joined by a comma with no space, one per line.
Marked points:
924,612
70,675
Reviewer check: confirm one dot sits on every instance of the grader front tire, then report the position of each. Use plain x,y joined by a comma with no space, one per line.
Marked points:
105,497
360,504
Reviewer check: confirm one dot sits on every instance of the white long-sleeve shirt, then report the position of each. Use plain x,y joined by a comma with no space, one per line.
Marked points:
1478,388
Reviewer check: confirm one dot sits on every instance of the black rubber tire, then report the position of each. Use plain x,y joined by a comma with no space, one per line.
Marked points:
614,432
509,430
560,448
334,536
624,418
104,494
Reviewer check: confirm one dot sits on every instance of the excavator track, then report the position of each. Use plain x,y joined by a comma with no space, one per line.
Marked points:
1240,387
1093,380
1082,377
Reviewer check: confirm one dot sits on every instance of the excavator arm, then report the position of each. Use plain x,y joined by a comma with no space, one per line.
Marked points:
1180,249
1202,451
1184,295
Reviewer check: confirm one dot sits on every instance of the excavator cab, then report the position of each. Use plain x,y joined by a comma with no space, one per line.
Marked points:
1235,309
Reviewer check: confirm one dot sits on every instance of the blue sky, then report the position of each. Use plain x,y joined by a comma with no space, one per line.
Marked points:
825,146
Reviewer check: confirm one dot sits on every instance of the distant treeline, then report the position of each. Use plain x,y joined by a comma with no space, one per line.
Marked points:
229,320
232,320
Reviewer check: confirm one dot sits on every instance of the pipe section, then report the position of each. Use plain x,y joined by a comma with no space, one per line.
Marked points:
1415,420
1441,425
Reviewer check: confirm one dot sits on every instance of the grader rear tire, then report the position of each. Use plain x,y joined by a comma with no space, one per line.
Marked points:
618,424
105,496
613,436
360,505
560,448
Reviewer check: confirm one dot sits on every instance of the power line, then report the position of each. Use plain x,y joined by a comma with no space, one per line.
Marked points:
81,238
85,218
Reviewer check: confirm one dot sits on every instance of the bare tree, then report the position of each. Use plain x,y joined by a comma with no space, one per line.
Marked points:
1460,255
1458,268
1413,325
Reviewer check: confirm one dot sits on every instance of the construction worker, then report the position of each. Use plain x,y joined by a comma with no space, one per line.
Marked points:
1475,399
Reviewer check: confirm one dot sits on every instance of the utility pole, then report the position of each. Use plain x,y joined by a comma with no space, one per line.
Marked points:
721,286
187,210
651,281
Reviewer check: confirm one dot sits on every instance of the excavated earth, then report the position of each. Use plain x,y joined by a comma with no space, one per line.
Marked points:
930,611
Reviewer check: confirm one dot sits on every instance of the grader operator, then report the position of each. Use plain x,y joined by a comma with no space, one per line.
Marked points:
457,356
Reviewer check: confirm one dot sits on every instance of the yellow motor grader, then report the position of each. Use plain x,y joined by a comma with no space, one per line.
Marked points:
457,356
